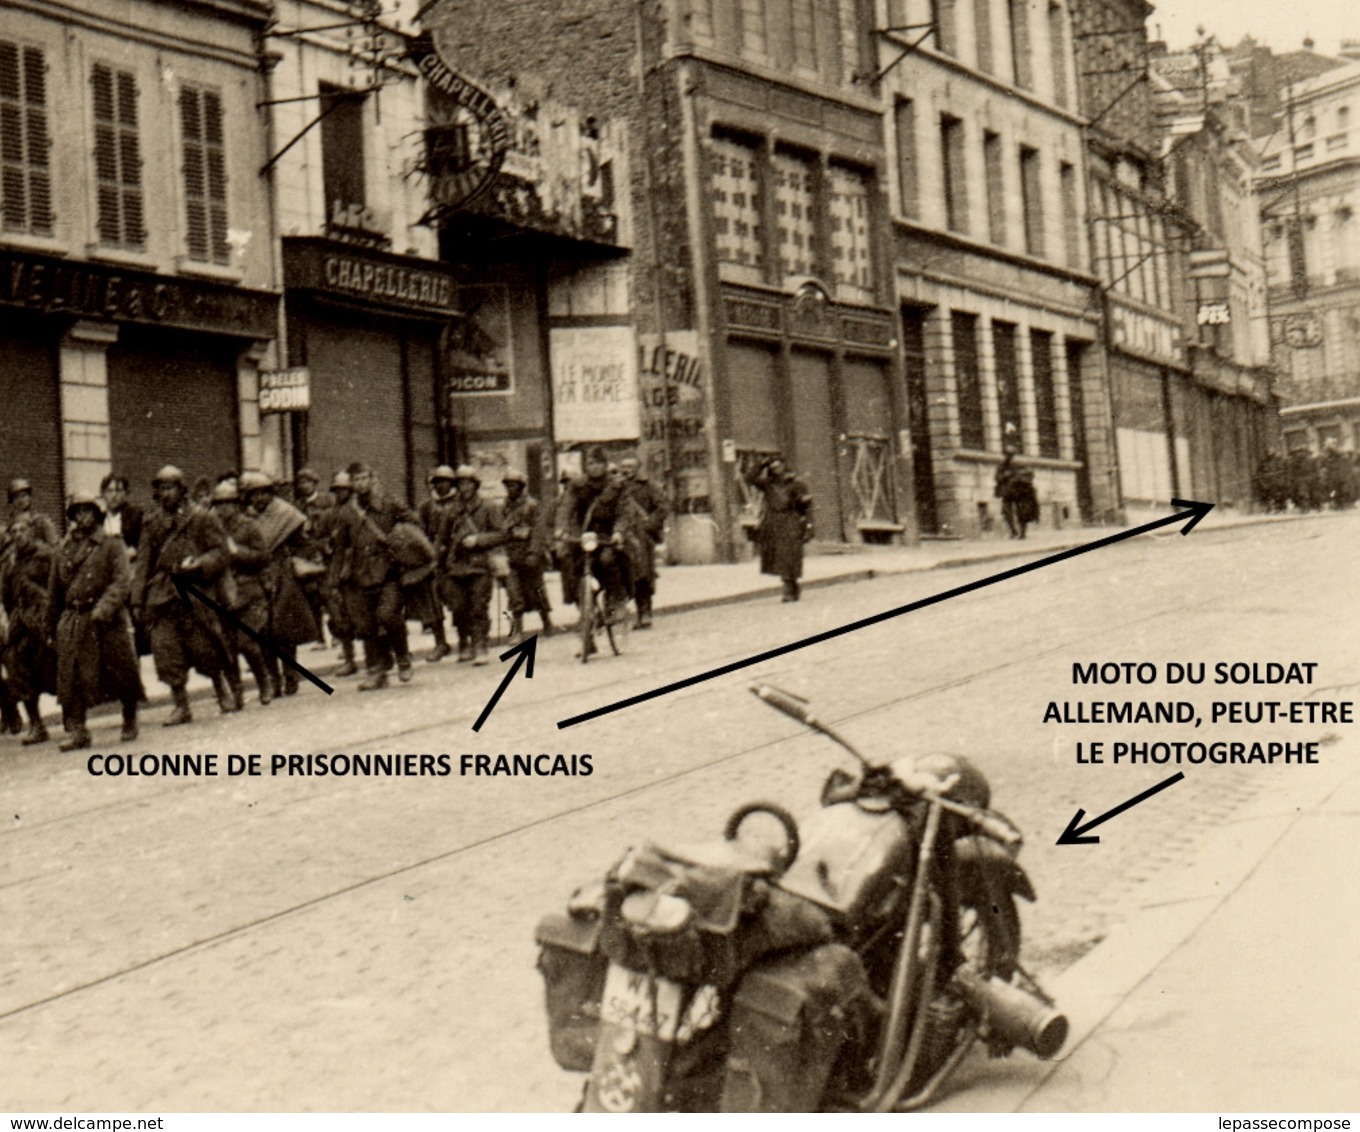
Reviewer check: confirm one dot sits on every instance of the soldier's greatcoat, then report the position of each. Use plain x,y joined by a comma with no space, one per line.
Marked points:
91,580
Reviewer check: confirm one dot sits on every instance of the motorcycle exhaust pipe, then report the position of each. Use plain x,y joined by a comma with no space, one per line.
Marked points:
1014,1015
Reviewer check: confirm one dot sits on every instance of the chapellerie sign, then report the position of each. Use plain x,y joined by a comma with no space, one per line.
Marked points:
313,264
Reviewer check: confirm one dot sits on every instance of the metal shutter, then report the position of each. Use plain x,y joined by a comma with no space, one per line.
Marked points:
30,421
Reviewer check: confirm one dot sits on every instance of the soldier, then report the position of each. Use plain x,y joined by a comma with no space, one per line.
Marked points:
651,500
89,592
526,552
363,537
433,595
785,524
21,508
283,528
599,502
29,660
338,592
310,564
180,540
468,529
249,562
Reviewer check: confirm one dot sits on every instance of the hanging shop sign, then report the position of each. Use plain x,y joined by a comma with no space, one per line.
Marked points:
285,390
480,357
1214,314
468,136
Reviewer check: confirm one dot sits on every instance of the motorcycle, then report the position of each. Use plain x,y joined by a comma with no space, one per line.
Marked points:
600,610
849,963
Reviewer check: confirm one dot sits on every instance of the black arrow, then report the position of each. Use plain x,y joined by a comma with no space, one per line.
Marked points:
1196,512
526,650
186,588
1074,833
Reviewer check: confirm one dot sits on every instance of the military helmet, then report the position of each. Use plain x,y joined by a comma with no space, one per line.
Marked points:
306,474
17,486
254,481
83,499
467,472
514,475
341,480
443,472
226,492
168,474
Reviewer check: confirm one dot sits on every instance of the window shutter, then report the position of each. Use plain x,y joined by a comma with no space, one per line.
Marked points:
25,177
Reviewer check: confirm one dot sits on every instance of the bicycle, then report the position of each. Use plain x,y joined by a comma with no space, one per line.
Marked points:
595,607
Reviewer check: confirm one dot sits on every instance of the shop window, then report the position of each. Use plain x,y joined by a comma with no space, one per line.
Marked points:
796,211
736,204
1032,200
205,175
342,152
1045,398
996,187
908,177
851,263
967,380
954,173
1007,385
117,159
25,170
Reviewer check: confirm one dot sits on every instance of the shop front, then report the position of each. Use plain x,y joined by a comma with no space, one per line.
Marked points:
116,370
367,330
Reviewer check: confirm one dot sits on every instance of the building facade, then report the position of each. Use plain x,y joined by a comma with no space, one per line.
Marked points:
1308,194
1000,323
136,260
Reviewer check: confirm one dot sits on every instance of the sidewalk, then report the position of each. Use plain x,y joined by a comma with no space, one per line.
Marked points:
1234,989
681,589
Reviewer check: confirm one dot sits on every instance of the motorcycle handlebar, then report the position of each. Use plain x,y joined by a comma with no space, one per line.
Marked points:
786,702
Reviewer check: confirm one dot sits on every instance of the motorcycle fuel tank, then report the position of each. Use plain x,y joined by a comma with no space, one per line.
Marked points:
850,859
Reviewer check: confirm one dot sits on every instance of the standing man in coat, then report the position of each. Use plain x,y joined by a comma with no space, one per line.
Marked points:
283,528
96,662
526,553
651,501
28,657
785,522
21,511
313,503
338,591
186,541
249,562
468,530
432,594
122,517
363,538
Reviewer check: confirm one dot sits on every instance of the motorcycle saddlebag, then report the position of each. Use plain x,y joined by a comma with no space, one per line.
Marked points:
789,1020
574,969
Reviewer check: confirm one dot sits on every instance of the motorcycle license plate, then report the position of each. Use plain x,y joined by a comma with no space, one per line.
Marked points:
629,1001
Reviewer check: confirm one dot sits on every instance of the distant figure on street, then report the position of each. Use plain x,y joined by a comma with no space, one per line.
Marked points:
785,522
1015,489
652,502
526,552
122,518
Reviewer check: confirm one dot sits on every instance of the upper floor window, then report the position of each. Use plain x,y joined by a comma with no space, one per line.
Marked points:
1057,49
1343,118
117,159
946,26
954,171
205,175
982,35
701,18
754,36
1031,200
904,126
342,150
851,264
804,35
25,170
1022,62
795,208
736,204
